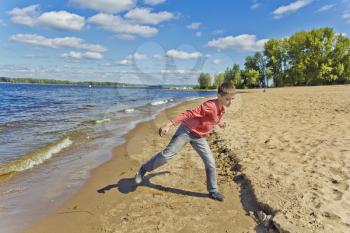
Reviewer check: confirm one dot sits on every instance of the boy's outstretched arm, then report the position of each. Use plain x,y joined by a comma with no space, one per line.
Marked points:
165,128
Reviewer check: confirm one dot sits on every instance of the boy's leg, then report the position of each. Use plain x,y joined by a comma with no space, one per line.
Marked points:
203,149
178,141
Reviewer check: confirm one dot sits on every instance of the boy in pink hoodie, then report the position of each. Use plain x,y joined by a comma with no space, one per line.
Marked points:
195,125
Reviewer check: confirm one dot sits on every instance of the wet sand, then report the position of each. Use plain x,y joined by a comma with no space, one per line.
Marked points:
283,164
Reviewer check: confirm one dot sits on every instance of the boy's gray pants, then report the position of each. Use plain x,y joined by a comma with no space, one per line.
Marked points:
178,141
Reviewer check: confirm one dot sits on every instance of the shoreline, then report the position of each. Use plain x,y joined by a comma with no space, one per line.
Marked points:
34,193
286,172
110,183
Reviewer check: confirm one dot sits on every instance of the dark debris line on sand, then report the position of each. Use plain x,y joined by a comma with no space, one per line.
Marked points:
229,167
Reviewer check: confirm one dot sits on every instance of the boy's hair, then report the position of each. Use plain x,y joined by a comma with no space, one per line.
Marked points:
226,88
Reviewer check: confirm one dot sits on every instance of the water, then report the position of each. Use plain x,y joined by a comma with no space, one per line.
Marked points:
55,134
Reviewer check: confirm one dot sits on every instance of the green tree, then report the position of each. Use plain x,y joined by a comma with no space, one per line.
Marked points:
218,80
315,57
341,59
251,78
275,52
204,81
310,57
258,63
233,75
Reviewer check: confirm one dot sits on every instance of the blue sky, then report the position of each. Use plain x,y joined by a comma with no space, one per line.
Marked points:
149,41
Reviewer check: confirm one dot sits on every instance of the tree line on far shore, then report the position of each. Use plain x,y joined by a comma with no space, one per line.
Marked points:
316,57
64,82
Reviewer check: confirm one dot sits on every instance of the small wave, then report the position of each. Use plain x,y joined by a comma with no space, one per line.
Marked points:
159,102
196,98
88,106
129,110
34,158
93,122
14,190
102,120
11,125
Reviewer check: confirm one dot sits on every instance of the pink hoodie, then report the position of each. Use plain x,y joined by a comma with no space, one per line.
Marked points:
201,119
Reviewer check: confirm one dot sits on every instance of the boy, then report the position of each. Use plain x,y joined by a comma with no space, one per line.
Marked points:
196,124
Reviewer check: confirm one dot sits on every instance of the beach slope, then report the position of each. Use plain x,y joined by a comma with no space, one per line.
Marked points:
172,199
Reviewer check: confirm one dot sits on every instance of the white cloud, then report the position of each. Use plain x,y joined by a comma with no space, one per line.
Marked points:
62,20
292,7
154,2
145,16
346,16
137,56
125,36
124,62
326,8
117,24
244,42
93,55
182,54
194,26
129,59
216,61
62,42
198,34
107,6
26,15
72,55
179,72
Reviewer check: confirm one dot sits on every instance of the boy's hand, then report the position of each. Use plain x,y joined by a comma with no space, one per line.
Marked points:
222,124
164,130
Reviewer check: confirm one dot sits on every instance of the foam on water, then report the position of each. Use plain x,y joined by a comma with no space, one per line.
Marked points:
129,110
159,102
102,120
196,98
34,158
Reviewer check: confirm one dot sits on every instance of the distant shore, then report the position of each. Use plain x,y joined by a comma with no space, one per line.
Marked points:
65,82
97,84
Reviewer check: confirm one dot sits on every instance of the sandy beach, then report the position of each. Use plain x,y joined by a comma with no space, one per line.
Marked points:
293,145
283,163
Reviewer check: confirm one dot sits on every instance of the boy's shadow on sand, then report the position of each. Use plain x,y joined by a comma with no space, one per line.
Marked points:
128,185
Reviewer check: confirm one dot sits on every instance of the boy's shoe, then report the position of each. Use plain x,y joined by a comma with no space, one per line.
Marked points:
217,196
139,175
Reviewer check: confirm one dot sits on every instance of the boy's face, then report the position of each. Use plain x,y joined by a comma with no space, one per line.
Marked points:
226,99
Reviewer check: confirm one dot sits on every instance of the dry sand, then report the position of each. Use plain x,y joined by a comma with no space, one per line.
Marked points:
293,145
284,153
